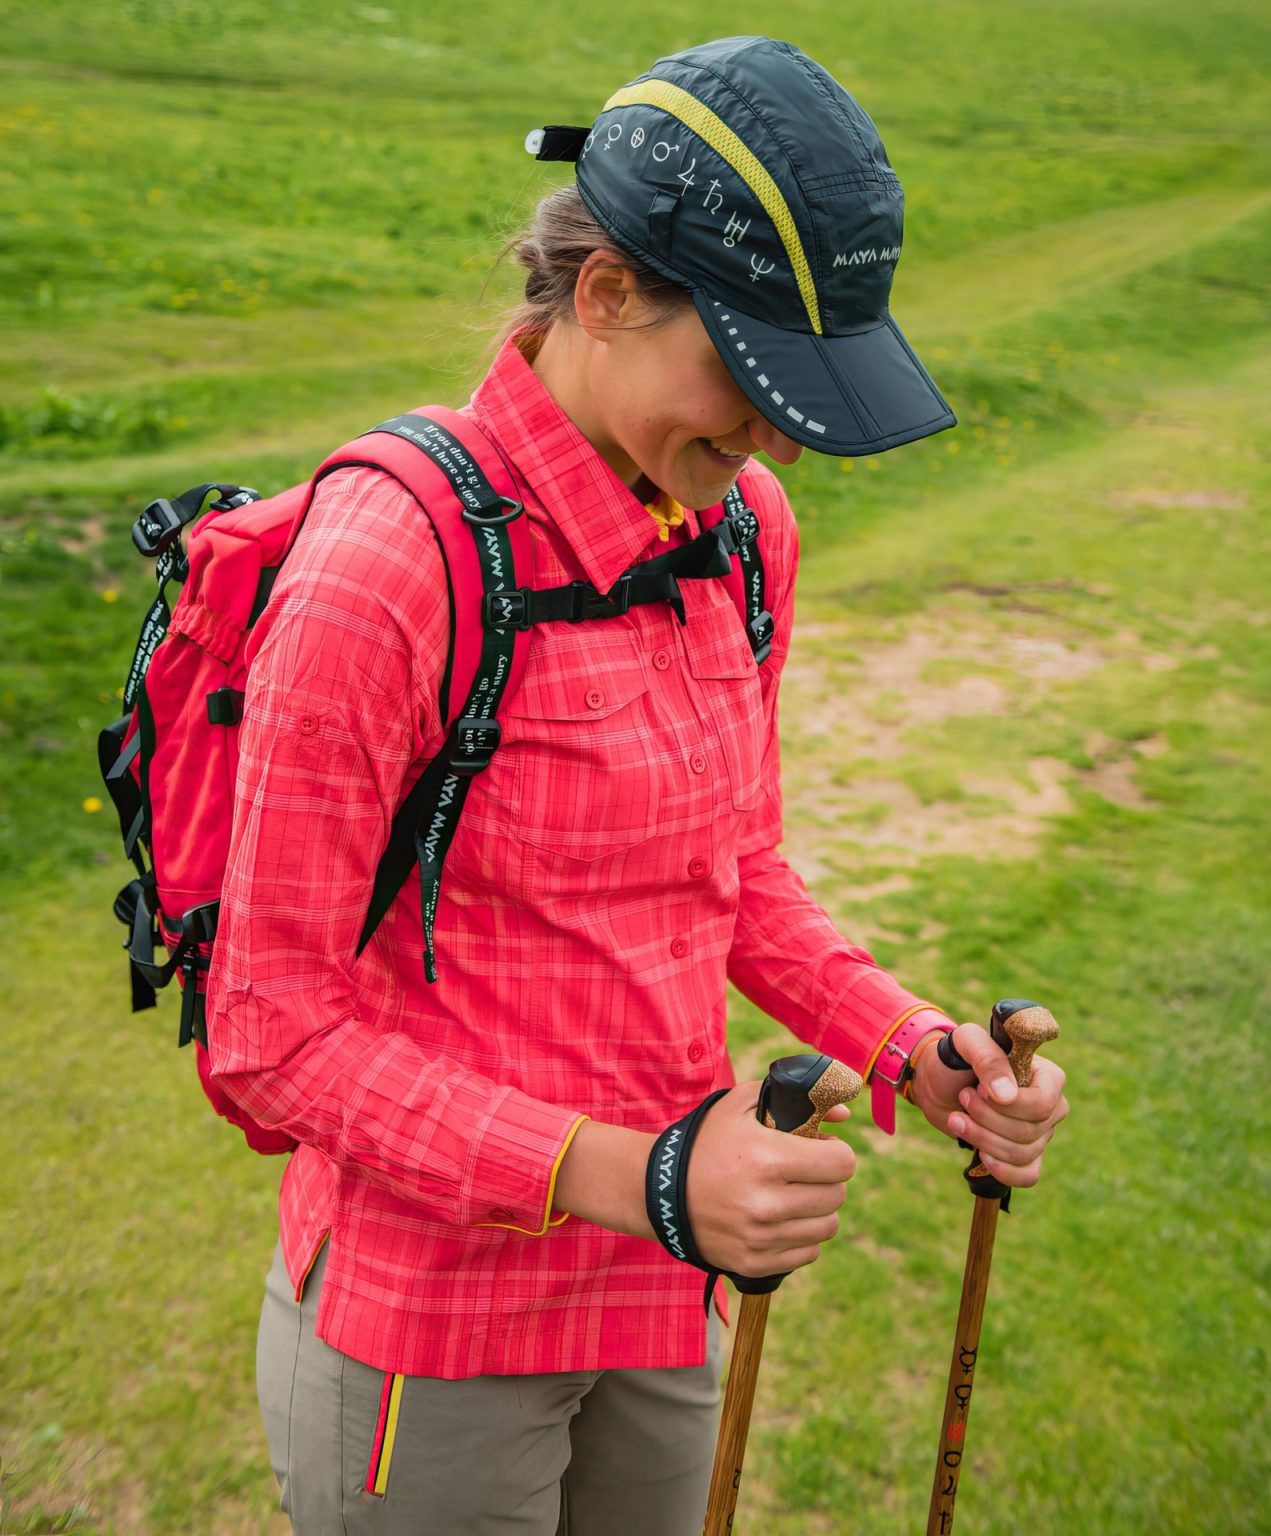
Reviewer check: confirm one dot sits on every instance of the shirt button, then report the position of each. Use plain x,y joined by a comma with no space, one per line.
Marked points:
308,724
661,660
697,867
696,1051
697,763
679,948
594,698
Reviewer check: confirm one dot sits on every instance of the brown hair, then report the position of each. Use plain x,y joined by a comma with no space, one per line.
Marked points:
560,236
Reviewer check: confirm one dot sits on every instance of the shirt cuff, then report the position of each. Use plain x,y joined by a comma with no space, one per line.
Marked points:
518,1151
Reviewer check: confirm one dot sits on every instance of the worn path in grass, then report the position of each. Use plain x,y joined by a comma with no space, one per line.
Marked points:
1025,717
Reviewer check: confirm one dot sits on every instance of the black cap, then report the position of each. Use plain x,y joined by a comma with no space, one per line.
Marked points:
744,172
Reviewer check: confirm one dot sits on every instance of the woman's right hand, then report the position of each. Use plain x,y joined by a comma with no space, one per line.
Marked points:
761,1202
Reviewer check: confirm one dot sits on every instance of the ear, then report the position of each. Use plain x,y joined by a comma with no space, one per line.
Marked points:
607,296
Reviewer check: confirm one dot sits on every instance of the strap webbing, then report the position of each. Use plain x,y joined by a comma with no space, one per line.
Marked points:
443,787
743,533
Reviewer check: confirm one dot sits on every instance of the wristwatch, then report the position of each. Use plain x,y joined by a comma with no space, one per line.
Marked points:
891,1066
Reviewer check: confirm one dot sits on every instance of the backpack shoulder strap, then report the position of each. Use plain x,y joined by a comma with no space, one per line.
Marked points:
467,492
739,530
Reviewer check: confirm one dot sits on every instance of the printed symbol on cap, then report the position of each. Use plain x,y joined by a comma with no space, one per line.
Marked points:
687,176
637,138
667,150
613,134
712,191
735,231
759,268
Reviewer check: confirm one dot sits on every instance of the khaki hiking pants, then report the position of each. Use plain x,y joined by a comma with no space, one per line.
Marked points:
577,1453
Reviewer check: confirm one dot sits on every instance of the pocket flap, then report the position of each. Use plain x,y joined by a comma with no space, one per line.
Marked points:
577,675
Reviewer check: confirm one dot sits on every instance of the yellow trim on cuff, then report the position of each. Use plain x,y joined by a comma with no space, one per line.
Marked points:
707,125
903,1019
509,1226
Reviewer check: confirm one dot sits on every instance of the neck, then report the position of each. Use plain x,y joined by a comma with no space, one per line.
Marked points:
566,361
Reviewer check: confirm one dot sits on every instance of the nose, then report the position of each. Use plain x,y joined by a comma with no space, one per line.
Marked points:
772,441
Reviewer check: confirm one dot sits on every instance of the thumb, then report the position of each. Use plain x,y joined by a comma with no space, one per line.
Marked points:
988,1061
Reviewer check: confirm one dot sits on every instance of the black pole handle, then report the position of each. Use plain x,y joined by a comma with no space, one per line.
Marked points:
794,1097
1019,1046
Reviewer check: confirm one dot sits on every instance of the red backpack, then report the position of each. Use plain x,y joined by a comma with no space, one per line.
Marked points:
170,760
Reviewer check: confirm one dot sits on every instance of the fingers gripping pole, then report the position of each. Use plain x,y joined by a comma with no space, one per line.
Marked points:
796,1094
1019,1027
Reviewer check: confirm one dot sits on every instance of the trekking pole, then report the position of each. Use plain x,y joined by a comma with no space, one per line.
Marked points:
1019,1027
796,1093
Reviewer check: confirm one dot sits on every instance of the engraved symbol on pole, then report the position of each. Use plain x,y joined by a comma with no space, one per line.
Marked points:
667,150
637,138
759,268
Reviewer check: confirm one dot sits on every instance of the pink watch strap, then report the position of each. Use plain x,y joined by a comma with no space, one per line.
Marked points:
890,1063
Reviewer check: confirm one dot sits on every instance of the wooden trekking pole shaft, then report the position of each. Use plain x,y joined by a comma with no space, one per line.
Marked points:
1019,1027
795,1095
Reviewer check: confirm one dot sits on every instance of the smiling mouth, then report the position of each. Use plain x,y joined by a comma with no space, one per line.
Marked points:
720,456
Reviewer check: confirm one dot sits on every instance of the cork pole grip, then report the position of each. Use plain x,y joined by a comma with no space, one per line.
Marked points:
1029,1029
837,1084
1026,1028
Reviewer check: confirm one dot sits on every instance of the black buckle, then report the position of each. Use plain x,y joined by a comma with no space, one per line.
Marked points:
760,631
199,924
506,610
476,740
156,528
225,706
494,519
587,603
745,527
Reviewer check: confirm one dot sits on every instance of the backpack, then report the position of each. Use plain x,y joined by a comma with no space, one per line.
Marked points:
170,760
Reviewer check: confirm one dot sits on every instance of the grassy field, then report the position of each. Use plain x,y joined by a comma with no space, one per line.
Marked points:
1025,720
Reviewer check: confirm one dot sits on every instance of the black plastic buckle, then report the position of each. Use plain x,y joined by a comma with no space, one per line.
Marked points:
225,706
736,530
476,740
199,924
477,515
587,603
156,528
745,527
506,610
760,631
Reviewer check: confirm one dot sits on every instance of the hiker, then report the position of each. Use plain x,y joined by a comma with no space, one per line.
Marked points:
469,1326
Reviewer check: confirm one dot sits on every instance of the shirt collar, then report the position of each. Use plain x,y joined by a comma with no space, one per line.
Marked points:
606,523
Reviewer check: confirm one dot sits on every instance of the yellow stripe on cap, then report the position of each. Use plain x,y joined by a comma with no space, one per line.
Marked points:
721,138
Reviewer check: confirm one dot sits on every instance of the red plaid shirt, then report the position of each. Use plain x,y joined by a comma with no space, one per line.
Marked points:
612,867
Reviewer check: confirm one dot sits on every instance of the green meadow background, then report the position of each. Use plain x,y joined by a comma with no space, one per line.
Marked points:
1025,720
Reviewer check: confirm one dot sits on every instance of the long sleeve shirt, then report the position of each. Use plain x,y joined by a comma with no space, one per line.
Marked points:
617,861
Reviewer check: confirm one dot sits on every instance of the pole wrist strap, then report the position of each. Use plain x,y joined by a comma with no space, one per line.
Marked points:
666,1189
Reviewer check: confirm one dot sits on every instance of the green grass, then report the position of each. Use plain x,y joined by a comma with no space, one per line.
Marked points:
233,235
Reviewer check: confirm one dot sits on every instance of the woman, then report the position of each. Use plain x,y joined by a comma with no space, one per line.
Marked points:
467,1327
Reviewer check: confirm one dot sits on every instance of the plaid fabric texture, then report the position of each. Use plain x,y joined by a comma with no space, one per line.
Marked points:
617,861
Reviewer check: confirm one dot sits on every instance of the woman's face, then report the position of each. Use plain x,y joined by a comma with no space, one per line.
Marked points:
668,409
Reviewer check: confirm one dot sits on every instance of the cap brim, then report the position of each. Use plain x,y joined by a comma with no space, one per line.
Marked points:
847,395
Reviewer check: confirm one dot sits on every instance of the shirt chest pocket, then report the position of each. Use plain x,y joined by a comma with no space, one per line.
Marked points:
726,688
580,736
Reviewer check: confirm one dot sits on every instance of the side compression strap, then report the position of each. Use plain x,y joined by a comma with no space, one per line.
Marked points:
474,736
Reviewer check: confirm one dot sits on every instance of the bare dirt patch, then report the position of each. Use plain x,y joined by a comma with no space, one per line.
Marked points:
1152,496
847,712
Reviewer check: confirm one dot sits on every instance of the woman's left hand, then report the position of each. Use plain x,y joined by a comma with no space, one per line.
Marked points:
1009,1125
